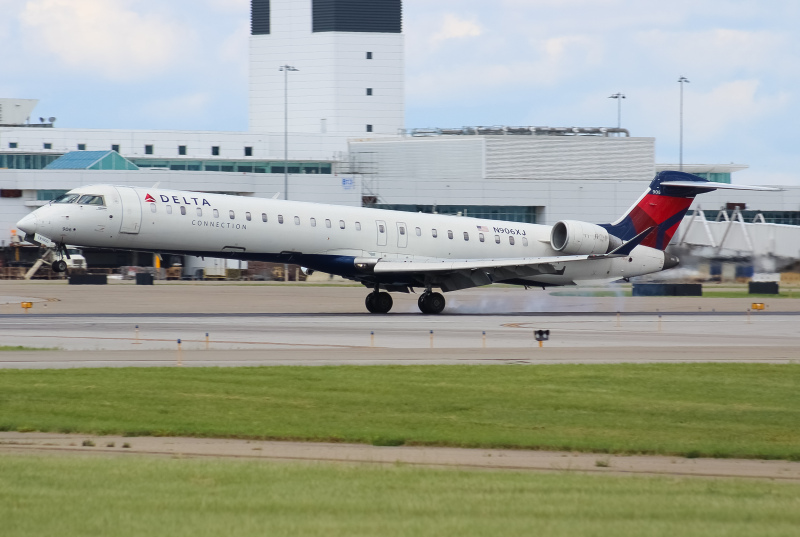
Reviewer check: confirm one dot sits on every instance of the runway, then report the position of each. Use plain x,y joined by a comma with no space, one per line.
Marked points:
127,325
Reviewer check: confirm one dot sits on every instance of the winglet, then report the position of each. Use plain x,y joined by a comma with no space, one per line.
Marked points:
628,247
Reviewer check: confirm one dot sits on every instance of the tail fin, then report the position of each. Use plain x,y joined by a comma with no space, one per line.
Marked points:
662,206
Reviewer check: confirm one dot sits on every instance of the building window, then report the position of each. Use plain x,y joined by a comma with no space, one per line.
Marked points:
115,147
81,147
181,149
148,149
48,145
369,91
12,145
248,151
297,220
215,150
247,216
369,128
369,55
263,217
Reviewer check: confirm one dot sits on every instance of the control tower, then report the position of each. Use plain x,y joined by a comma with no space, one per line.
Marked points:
349,59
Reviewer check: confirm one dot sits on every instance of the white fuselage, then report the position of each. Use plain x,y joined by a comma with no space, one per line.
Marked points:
323,237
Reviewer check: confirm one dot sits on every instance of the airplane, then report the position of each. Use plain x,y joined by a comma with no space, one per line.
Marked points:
387,251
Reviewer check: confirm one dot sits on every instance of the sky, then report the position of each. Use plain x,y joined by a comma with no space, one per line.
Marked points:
182,64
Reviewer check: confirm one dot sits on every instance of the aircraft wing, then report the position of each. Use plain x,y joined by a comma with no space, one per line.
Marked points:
447,265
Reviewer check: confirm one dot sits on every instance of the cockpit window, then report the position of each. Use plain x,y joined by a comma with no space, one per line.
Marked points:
67,198
91,199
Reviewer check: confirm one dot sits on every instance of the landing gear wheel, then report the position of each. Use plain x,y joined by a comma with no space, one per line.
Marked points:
59,266
379,302
431,303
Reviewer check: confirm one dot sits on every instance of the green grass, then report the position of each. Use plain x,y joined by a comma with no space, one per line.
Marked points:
745,294
719,410
21,348
131,496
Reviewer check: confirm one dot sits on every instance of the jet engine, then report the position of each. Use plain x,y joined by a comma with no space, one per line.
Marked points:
572,237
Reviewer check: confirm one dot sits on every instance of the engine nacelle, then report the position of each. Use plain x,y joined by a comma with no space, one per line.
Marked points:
572,237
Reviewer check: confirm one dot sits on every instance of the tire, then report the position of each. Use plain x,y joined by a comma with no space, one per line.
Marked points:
383,302
59,266
422,303
370,303
435,303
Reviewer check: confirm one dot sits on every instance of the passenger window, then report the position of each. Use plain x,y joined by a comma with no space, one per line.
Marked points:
183,210
341,224
263,217
231,214
434,233
297,220
524,241
402,230
280,219
419,232
152,207
169,209
199,211
358,226
466,236
480,237
497,239
449,233
216,213
511,240
313,222
247,216
381,228
327,222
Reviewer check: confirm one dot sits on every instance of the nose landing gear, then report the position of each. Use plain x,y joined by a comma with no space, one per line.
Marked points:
430,302
59,265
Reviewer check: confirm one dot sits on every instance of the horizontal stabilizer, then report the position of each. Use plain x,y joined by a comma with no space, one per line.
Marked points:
710,185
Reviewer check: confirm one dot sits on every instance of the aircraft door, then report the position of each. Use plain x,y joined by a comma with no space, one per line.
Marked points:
381,226
131,219
402,235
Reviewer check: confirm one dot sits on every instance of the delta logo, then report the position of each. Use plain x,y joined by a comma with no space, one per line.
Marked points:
177,199
149,199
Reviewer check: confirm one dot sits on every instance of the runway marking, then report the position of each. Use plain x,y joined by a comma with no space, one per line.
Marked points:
203,341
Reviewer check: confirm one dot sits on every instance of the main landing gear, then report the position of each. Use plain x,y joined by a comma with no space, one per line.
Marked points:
379,302
430,302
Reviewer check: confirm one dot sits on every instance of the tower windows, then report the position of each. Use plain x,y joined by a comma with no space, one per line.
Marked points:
215,150
369,91
248,151
369,128
369,55
148,149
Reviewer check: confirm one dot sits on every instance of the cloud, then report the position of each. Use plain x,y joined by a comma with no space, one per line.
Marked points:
181,106
455,28
107,38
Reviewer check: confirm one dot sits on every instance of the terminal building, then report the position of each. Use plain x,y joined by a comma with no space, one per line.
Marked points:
326,111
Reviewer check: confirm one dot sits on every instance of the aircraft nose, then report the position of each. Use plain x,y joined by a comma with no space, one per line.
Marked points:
28,224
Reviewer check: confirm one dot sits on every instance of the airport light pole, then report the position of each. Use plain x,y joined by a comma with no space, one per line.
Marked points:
682,80
618,97
286,69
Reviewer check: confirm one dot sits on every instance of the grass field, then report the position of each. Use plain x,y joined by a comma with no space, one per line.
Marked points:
132,496
718,410
21,348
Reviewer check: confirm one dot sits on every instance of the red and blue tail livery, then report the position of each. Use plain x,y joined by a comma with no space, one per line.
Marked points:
662,207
